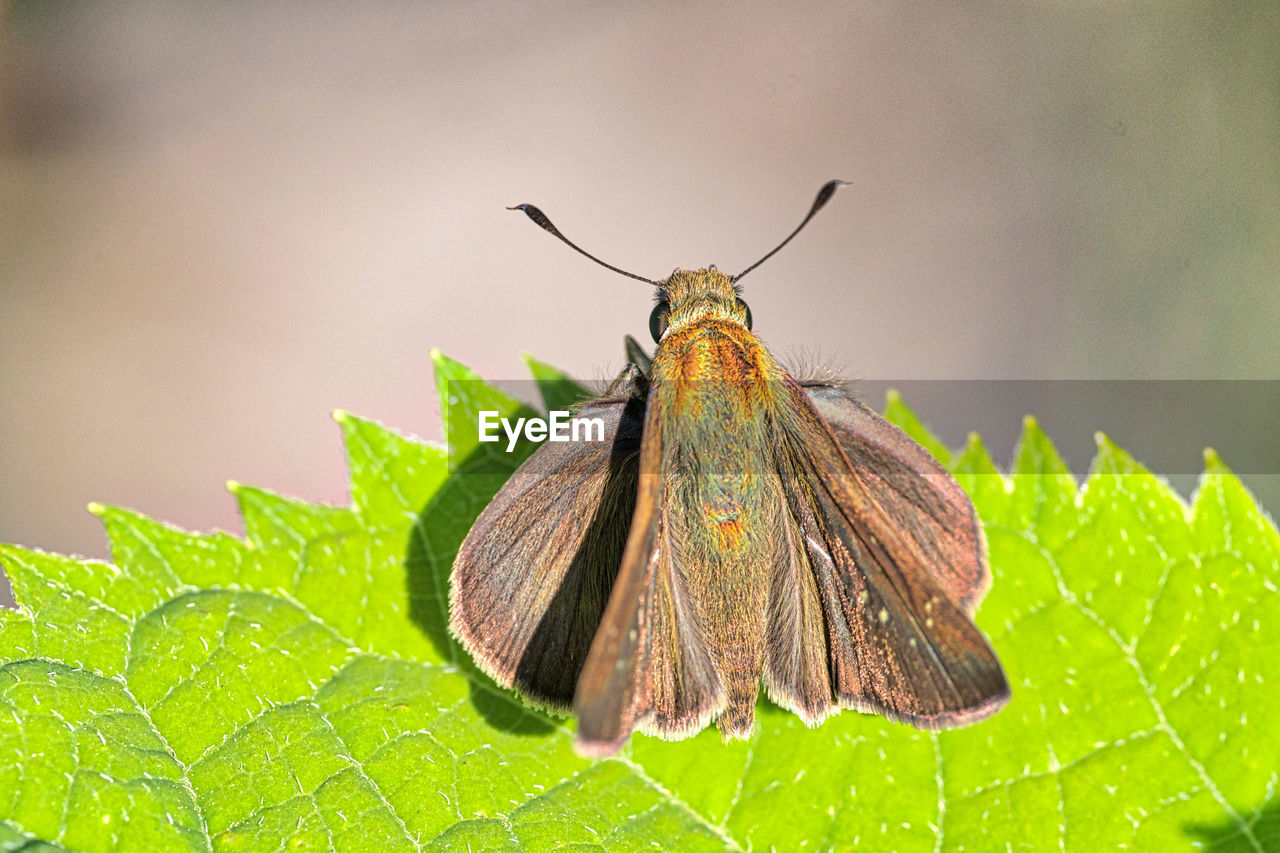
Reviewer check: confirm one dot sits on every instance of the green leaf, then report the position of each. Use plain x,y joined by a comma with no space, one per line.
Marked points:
559,392
298,686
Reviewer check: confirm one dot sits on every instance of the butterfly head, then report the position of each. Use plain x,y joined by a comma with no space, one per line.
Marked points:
690,296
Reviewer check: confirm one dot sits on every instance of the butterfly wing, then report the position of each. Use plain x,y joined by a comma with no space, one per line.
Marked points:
531,579
876,577
914,489
648,667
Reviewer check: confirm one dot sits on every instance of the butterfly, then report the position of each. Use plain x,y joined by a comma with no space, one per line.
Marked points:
736,527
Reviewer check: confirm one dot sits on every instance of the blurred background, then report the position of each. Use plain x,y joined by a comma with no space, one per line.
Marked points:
219,222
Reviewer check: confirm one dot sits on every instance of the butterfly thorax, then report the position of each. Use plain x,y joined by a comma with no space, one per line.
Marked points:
708,339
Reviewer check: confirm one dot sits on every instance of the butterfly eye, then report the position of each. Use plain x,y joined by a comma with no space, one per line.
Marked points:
658,321
745,307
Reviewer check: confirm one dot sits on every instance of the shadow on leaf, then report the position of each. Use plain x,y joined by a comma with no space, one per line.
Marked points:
1227,837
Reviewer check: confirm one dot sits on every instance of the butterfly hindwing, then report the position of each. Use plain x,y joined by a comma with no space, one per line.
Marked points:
894,590
914,490
532,578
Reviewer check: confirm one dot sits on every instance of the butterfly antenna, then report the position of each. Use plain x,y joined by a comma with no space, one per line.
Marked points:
824,196
540,219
